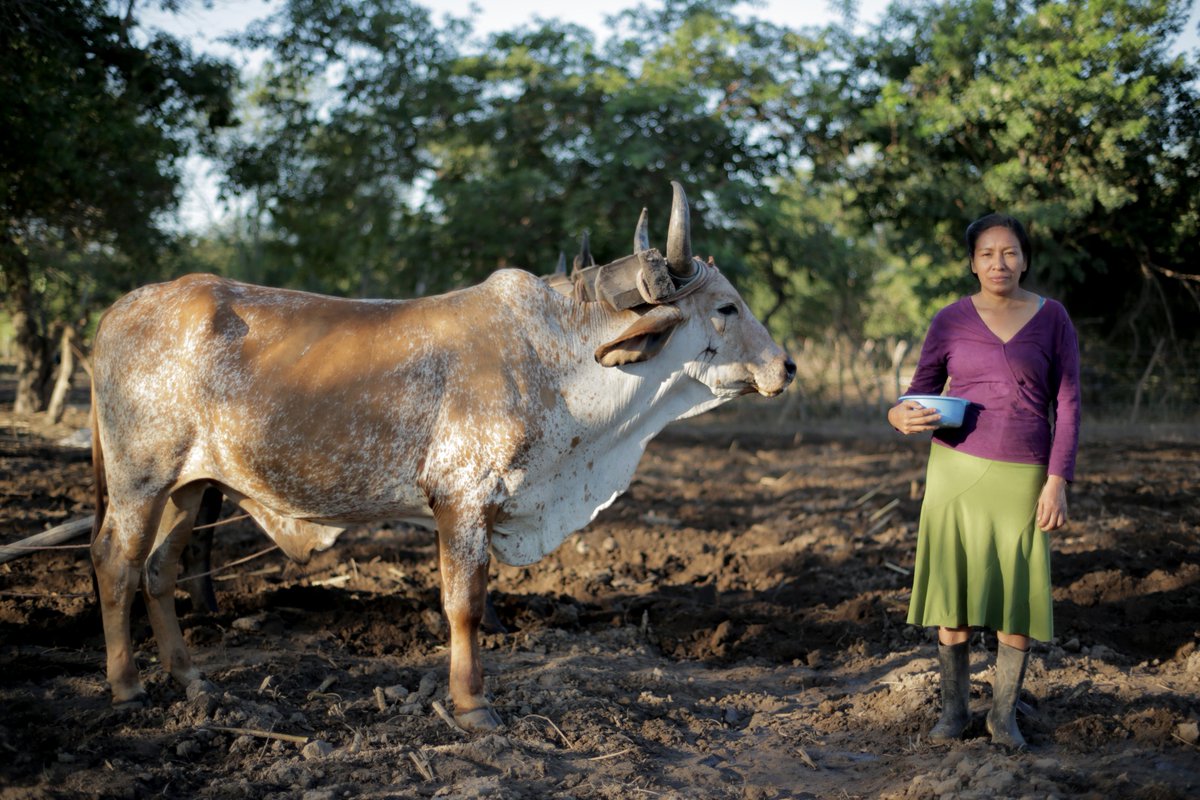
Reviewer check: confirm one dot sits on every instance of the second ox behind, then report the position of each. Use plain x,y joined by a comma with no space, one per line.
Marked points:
505,415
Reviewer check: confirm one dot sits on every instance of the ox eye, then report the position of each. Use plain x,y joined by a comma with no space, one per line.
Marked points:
728,310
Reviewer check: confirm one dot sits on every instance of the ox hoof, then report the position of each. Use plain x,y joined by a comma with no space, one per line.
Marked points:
136,702
479,720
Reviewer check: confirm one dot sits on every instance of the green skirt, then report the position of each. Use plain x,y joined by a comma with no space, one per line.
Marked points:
981,558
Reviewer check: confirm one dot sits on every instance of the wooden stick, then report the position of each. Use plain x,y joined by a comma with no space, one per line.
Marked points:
445,715
230,565
422,764
70,530
1192,745
613,755
880,512
219,523
56,535
868,495
50,547
336,580
557,730
879,525
283,737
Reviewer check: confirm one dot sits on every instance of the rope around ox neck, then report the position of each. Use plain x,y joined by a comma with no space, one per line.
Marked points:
705,273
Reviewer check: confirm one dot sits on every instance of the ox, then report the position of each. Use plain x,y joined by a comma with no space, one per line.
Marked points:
505,416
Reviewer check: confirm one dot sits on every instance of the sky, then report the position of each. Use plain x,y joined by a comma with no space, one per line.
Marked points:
205,26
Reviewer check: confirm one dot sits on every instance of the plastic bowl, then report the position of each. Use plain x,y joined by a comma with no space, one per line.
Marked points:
951,408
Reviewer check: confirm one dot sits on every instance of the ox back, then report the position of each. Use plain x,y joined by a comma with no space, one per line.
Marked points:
505,416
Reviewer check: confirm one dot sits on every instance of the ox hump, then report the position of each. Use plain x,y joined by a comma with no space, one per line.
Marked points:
516,287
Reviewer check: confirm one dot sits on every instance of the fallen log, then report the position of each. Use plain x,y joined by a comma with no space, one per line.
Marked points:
56,535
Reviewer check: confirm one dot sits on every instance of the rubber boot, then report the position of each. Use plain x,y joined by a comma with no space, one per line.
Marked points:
1006,689
954,660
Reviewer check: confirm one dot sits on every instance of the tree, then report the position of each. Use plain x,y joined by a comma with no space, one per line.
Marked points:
94,125
1071,116
337,150
685,91
388,154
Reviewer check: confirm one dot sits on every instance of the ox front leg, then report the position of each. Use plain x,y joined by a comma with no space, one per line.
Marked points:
463,560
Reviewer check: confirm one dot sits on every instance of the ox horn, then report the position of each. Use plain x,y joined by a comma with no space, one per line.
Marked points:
641,237
679,236
585,258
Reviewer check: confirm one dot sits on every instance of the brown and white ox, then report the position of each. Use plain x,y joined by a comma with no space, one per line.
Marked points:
505,415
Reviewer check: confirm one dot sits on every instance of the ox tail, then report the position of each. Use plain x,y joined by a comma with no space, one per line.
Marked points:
101,488
99,481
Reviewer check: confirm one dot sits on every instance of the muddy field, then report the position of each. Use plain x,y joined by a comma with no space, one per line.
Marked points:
732,627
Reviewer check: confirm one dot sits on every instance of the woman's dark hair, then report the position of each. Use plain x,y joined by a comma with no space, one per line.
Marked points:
976,229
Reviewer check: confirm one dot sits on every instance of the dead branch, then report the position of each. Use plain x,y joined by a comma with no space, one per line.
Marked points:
283,737
56,535
422,764
1141,384
550,722
612,755
445,715
232,564
219,523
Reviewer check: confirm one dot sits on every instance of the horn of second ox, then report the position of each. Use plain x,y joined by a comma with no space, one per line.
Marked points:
641,235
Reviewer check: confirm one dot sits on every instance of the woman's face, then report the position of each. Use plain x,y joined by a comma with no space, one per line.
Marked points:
998,261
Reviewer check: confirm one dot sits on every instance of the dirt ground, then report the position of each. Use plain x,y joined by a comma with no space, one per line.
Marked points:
732,627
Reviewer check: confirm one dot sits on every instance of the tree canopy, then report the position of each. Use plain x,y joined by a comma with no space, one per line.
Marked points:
95,122
390,154
832,169
1073,117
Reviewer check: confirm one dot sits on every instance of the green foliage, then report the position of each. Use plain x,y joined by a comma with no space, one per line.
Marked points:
475,160
832,171
342,115
1070,116
94,125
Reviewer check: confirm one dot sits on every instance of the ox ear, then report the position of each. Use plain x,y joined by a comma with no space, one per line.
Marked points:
642,340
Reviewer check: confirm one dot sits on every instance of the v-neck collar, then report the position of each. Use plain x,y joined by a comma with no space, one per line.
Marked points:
1041,304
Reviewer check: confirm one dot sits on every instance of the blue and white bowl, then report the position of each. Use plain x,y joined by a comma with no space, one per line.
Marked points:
951,408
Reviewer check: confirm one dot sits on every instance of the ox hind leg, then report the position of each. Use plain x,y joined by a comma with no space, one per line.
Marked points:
463,561
161,574
197,556
118,550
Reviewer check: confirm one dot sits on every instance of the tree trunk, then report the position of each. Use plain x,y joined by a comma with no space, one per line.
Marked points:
898,354
66,370
32,346
1141,384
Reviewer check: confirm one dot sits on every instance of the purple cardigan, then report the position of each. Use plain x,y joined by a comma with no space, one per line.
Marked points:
1014,387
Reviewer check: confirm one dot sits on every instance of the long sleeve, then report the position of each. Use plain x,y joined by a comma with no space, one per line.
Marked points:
1065,443
932,371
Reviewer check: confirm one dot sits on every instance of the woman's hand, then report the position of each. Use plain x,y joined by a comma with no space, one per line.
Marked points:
1052,504
912,417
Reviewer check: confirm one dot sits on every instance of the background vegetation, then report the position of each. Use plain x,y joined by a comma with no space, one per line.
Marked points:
832,170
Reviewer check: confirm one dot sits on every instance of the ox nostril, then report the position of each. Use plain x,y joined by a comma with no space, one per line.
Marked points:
789,367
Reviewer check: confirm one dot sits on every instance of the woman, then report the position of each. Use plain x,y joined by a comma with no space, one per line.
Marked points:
996,485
